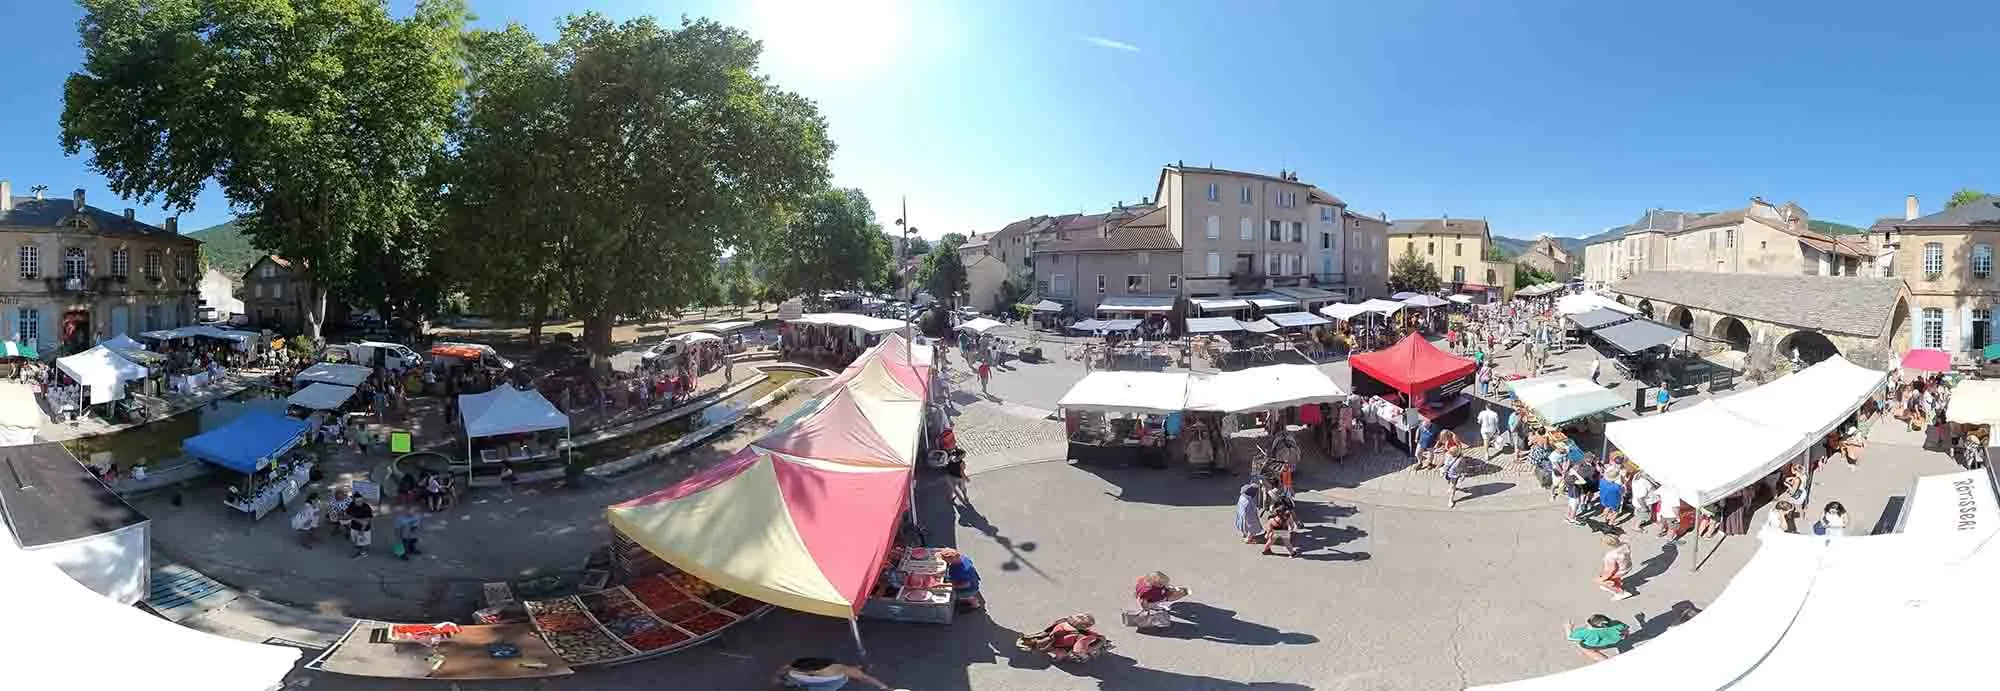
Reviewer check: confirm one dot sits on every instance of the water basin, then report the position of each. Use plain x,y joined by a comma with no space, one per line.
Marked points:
668,432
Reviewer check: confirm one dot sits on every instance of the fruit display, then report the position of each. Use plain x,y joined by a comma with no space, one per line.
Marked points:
743,607
586,646
693,586
614,603
719,597
564,621
685,611
655,639
707,623
656,593
629,626
565,605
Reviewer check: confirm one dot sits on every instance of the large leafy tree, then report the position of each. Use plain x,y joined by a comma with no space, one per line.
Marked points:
944,274
1964,196
833,241
316,118
1412,274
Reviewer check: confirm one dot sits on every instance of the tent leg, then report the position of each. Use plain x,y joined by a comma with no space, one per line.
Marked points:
854,627
1694,561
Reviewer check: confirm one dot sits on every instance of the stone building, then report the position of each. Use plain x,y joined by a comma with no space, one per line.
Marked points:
1765,316
274,290
1457,249
1548,256
1947,259
78,274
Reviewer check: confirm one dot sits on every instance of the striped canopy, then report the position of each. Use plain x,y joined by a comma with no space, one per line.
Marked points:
18,349
802,517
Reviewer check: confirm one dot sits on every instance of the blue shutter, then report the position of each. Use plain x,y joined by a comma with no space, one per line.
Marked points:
47,338
1917,330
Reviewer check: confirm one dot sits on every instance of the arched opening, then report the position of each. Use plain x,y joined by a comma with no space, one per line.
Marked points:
1810,347
1646,308
1681,317
1621,300
1732,331
1899,321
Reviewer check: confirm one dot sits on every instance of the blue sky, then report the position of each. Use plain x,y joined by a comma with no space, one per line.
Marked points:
1561,117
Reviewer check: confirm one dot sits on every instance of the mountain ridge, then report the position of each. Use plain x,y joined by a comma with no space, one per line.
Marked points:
225,248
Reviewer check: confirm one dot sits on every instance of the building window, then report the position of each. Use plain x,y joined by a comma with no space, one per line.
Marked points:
1100,284
121,262
268,270
1214,266
1276,232
1458,249
278,290
31,263
1982,260
1326,214
257,290
75,263
1272,264
1214,228
1060,285
1042,287
1729,239
151,318
1214,191
1174,281
1298,231
1982,328
182,261
1244,195
1135,285
28,325
1458,274
1325,240
1934,327
1492,281
1933,259
152,263
1430,248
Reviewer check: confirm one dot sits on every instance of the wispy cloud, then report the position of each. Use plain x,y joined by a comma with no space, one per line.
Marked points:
1103,42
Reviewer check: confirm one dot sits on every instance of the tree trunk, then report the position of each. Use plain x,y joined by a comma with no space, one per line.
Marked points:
538,312
313,308
597,339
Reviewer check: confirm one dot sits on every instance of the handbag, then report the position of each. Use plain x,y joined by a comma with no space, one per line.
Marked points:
1146,618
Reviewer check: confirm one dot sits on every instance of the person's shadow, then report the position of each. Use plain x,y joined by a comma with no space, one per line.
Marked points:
1654,566
1206,622
1115,672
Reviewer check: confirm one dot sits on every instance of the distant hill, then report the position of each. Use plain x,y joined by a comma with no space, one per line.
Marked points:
225,247
1835,228
1515,247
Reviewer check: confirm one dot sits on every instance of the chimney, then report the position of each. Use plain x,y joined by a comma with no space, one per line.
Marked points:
79,200
1909,205
173,224
1680,222
6,196
1145,200
38,193
128,213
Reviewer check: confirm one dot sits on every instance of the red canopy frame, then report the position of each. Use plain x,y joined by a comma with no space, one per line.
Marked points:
1412,366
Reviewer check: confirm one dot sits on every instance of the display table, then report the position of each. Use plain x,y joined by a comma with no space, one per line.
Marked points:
280,491
381,649
1127,453
916,591
185,383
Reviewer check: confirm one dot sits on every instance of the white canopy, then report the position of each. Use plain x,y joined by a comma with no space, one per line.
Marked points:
1210,325
321,397
20,415
63,635
1380,306
1291,319
1049,306
1461,299
978,326
1585,302
726,327
1219,303
1271,301
507,410
104,371
334,373
1425,301
1136,303
1262,326
1974,401
122,342
1128,392
1262,388
1559,400
1720,446
696,337
873,325
1343,311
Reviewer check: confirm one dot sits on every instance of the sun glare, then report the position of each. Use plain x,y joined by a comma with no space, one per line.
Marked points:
831,40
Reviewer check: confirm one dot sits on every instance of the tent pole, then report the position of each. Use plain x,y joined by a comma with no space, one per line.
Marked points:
1695,560
854,627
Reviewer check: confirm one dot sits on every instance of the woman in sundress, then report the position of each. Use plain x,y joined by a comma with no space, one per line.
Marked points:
1247,523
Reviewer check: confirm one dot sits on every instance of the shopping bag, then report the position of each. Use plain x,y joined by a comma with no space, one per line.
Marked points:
397,548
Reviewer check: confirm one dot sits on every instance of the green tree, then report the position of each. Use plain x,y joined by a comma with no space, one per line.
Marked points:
1495,254
1964,196
1412,274
738,288
919,247
952,240
315,117
832,242
1013,291
943,274
1525,275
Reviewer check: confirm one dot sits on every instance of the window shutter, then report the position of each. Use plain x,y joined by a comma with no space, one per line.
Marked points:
47,335
1964,329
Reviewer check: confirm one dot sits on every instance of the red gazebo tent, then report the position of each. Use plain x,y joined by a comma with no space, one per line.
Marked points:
1412,366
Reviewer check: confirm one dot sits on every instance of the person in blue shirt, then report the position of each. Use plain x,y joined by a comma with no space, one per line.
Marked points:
1426,436
964,579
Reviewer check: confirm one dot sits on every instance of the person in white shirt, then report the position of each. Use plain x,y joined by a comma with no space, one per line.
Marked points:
1642,498
1595,364
1489,431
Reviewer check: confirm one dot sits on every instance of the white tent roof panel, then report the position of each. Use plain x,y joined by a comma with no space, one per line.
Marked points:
1136,303
979,326
103,370
873,325
1262,388
1705,451
1974,401
1343,311
334,373
1219,303
1128,392
507,410
321,396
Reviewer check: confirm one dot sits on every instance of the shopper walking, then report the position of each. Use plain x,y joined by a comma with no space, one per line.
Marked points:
306,521
1833,520
1598,634
1614,567
408,521
359,530
1489,431
1247,524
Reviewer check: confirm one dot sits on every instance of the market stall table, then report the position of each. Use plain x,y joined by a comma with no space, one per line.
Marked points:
397,651
252,444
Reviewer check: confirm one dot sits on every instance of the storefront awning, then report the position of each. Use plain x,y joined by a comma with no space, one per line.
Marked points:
1638,334
1598,318
248,443
1213,325
1305,293
1137,303
1270,301
1291,319
1206,304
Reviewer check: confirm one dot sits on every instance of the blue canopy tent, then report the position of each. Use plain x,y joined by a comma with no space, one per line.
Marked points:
248,443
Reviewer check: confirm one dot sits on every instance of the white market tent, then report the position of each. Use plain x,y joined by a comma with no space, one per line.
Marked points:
1136,303
1271,301
1974,402
726,327
337,373
64,633
1425,301
979,326
1585,302
1715,448
1128,392
1262,326
321,396
1559,400
122,342
865,323
696,337
1210,325
1049,306
1461,298
1343,311
1206,304
104,371
508,410
1262,388
1802,598
1380,306
21,415
1291,319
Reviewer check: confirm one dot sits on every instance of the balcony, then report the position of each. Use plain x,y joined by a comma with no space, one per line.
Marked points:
70,283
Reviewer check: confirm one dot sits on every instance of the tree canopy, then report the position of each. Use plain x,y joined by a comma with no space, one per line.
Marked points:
1411,273
1964,196
832,242
944,274
316,118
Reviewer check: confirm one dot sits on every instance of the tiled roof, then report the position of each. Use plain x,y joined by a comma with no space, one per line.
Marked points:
1662,220
1840,304
1984,211
1320,196
1824,244
51,212
1148,232
1717,220
1237,173
1438,226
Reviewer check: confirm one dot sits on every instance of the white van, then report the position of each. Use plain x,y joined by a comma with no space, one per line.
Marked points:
379,354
